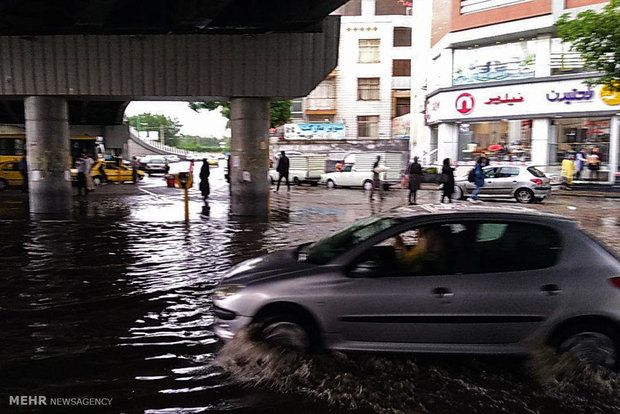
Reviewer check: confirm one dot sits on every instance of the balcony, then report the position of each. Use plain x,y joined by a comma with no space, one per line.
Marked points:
401,82
320,106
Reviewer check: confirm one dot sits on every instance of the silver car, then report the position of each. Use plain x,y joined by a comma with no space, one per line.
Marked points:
438,279
525,183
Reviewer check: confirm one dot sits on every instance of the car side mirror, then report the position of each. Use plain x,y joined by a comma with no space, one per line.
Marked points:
364,269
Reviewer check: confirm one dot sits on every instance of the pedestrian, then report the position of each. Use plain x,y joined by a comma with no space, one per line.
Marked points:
135,164
478,180
191,166
282,169
205,189
580,163
415,179
90,184
447,179
84,165
594,163
567,171
377,169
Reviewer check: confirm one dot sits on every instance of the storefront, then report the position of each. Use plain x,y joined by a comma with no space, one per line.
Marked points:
535,123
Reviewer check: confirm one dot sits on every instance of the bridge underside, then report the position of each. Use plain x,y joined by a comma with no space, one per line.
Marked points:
81,112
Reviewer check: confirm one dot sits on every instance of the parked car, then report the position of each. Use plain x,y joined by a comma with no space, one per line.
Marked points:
172,158
109,170
357,171
525,183
155,165
10,175
457,278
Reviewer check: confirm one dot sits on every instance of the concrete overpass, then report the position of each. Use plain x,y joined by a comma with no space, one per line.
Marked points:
74,62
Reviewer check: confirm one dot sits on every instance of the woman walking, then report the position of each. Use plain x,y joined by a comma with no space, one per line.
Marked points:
447,178
415,179
205,189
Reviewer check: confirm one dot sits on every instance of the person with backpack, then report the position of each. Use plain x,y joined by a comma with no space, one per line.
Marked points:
478,176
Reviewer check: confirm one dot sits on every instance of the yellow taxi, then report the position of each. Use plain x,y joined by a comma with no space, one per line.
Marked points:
110,171
10,175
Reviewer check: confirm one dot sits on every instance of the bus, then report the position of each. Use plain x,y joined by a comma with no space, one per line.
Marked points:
12,147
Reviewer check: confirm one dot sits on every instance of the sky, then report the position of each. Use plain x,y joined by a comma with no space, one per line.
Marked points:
204,123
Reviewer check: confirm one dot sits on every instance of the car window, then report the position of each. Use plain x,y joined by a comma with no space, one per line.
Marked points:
347,168
156,161
506,172
507,247
535,172
490,172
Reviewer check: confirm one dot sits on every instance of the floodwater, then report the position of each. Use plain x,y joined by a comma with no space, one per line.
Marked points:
115,303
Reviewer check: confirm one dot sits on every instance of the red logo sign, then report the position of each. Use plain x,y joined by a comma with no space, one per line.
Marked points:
465,103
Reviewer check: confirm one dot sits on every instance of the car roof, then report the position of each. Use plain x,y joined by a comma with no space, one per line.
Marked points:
407,212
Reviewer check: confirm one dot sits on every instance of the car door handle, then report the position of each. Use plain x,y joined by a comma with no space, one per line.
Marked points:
551,289
442,293
514,181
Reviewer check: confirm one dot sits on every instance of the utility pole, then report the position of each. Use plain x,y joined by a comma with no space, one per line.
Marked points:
161,134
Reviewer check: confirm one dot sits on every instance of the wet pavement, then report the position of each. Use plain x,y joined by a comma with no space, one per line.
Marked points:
115,303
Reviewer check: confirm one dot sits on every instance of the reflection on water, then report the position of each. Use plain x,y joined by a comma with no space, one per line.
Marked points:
116,303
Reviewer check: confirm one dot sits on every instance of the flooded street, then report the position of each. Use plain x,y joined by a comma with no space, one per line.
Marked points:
115,303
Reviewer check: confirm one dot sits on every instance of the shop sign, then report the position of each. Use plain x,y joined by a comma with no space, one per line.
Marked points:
571,96
504,100
609,96
465,103
314,131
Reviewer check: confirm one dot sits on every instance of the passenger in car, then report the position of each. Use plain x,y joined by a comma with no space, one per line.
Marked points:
427,256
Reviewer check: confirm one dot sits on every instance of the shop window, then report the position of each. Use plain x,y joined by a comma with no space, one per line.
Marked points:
574,134
369,50
402,36
368,126
392,7
498,141
368,89
401,67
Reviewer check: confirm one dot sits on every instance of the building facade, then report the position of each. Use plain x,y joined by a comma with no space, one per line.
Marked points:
368,96
500,83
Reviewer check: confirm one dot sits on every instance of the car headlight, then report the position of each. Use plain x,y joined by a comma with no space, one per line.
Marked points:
224,291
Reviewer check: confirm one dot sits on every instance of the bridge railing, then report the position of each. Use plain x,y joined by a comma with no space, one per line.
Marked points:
168,148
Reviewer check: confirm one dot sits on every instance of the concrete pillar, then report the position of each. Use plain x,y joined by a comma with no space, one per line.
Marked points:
448,142
249,152
540,141
49,157
614,148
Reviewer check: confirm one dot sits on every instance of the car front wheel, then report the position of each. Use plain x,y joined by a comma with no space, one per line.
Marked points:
3,185
285,331
97,180
524,195
367,185
331,184
458,192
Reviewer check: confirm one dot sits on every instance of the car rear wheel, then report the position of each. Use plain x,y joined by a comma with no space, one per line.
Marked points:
97,180
3,185
296,181
286,331
367,185
524,195
331,184
592,344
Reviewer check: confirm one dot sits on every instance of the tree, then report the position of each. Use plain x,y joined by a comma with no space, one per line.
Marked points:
596,36
156,122
280,110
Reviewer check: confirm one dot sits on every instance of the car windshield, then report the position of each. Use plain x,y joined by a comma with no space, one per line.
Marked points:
330,247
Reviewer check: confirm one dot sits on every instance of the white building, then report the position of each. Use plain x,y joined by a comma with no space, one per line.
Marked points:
497,77
371,86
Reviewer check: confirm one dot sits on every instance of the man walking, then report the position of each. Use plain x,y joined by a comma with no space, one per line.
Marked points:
478,180
377,169
135,164
282,169
415,179
84,165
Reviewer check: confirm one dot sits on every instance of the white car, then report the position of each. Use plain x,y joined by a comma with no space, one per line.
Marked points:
172,158
348,177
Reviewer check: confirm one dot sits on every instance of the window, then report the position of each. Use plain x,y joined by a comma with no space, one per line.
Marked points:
403,106
498,140
368,89
369,50
368,126
392,7
506,172
402,36
401,67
